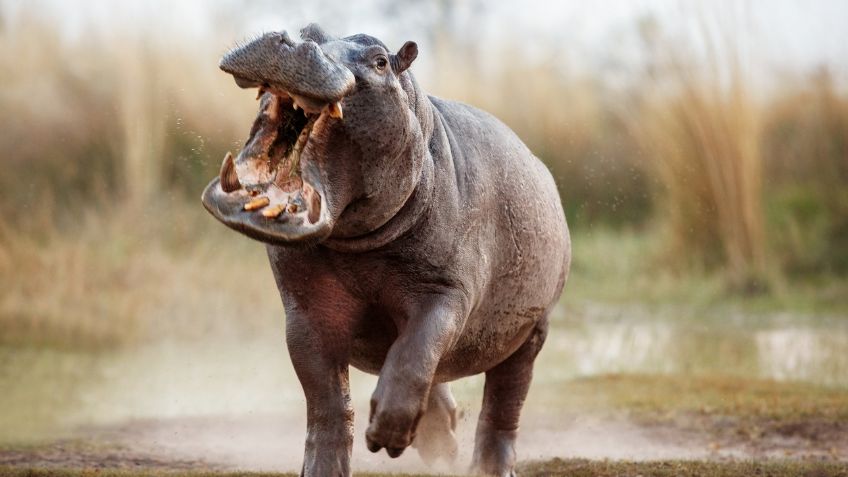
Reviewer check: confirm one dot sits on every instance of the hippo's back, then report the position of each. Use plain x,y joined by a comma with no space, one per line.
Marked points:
522,236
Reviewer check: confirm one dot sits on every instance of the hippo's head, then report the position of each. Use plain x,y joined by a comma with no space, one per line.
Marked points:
331,150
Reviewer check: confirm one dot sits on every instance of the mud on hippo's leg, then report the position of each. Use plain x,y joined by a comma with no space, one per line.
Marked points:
400,399
503,396
435,437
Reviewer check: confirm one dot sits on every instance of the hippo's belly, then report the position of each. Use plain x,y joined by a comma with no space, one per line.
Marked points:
518,293
478,349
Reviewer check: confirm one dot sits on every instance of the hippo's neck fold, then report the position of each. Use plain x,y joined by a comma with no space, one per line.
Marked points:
412,211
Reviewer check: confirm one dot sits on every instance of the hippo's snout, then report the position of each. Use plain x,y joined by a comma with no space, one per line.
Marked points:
301,69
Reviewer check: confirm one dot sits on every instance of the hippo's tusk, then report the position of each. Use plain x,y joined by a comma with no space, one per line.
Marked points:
273,104
335,110
313,203
228,176
257,203
292,208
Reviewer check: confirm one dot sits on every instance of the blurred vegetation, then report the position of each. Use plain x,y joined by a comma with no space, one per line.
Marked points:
110,136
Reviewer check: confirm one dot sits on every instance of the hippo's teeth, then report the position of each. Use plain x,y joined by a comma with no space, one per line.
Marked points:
313,203
257,203
271,111
292,208
295,105
273,212
336,110
260,92
228,176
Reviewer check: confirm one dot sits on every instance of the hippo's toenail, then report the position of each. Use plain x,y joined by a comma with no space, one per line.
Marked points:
373,446
394,451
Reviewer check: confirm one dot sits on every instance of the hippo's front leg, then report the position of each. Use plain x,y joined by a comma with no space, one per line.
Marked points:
426,332
320,360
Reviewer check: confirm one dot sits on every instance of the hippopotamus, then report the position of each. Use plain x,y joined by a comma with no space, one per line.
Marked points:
410,237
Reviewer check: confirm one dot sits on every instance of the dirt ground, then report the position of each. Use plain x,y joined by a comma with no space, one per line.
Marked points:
274,444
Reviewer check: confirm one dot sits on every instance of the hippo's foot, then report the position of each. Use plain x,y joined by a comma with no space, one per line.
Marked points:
326,460
503,395
494,452
435,436
392,425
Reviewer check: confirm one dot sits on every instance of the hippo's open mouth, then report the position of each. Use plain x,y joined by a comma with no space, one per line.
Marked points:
263,193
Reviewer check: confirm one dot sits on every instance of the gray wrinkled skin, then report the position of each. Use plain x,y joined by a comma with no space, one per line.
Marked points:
440,250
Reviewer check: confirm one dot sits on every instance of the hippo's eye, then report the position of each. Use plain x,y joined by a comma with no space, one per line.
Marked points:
381,63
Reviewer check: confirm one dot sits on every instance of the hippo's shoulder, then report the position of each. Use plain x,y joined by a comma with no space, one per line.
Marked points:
476,136
468,122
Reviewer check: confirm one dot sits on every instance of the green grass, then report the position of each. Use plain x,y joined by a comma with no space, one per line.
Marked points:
625,266
717,395
586,468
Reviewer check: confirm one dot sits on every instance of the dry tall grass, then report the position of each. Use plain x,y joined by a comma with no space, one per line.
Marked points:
109,115
699,129
108,139
805,148
115,278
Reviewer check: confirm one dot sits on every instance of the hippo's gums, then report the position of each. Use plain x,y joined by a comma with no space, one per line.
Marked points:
411,237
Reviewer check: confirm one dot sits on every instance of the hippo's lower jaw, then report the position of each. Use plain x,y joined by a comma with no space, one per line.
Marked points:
259,220
263,193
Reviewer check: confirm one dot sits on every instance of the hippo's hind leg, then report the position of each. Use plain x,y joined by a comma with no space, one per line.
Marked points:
435,436
503,396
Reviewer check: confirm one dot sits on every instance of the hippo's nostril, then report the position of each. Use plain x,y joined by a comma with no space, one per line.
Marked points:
285,39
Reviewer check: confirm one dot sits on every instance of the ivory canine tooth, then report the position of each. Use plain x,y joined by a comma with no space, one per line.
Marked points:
228,176
335,110
313,203
272,108
257,203
260,92
273,212
292,208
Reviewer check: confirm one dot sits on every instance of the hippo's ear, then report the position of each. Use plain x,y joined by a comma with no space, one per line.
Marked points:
315,33
405,56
